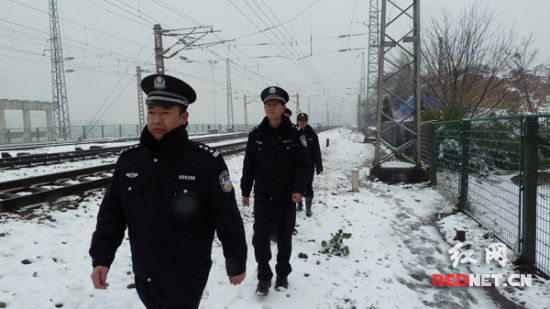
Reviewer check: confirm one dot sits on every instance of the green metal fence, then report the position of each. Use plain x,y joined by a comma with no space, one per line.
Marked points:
498,171
538,188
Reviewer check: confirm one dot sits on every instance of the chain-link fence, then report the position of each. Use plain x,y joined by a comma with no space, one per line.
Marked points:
498,171
538,171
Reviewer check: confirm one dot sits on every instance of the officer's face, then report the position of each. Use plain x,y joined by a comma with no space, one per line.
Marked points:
162,119
302,124
274,109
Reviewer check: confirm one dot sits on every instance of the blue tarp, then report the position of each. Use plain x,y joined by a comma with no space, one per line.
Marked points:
427,100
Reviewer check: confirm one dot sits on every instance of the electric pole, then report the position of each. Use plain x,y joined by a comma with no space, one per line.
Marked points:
328,123
141,112
213,66
59,88
230,116
297,103
188,37
159,51
245,102
245,112
361,109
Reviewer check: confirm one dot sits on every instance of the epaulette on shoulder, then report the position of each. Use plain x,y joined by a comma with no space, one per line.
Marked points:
253,129
133,147
213,152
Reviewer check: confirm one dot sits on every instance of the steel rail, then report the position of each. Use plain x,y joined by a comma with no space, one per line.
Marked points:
42,195
47,158
39,195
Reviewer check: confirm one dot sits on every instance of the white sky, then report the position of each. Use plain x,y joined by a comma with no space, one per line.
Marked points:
109,38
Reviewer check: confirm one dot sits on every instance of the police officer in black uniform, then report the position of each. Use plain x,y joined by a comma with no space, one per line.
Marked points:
315,159
171,194
287,113
276,164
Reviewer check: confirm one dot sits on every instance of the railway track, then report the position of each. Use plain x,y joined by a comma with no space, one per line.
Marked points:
28,146
95,152
32,191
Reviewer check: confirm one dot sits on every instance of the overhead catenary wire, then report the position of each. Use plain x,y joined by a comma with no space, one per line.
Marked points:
106,61
138,14
79,24
95,118
272,75
119,15
67,40
308,71
341,36
307,8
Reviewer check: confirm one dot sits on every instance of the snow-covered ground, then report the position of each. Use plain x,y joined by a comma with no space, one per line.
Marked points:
11,174
400,236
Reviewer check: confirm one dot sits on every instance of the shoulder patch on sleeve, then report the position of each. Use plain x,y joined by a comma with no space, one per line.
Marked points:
133,147
225,181
303,140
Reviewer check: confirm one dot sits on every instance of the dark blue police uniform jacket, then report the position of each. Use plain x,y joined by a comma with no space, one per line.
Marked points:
313,148
276,161
172,195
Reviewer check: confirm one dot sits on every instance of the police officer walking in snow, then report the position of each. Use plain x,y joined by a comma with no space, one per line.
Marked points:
276,164
171,194
287,113
315,159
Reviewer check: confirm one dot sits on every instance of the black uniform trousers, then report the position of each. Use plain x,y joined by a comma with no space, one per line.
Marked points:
309,183
184,293
269,212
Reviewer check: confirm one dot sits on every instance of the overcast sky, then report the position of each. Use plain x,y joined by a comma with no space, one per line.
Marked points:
109,38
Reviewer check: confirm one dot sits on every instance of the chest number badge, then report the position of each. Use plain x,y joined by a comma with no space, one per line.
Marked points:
225,181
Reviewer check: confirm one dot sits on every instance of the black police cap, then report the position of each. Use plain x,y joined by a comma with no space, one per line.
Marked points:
163,89
302,116
274,93
287,112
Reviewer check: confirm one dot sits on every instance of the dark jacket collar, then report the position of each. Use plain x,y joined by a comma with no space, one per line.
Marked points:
171,141
309,129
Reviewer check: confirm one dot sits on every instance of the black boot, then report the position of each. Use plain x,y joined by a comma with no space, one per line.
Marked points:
309,200
300,206
281,283
262,289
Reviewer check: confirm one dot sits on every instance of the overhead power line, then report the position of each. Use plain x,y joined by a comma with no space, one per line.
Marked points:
79,24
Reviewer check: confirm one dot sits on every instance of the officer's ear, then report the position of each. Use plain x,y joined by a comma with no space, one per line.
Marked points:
184,116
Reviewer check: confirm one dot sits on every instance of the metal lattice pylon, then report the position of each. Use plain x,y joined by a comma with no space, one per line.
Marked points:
59,89
408,149
372,60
